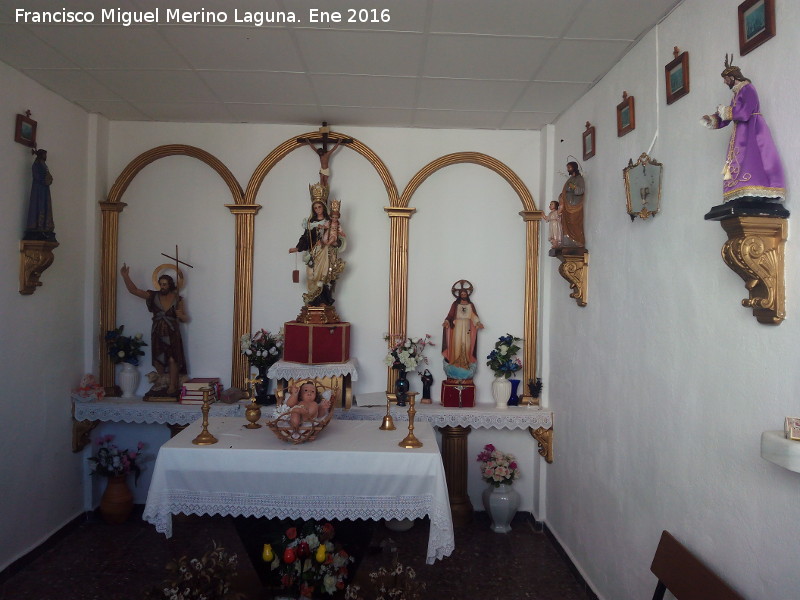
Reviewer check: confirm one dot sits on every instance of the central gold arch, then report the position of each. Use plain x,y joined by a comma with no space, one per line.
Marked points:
400,214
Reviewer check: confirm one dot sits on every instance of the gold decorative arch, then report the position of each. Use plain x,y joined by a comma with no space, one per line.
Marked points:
242,318
400,214
112,207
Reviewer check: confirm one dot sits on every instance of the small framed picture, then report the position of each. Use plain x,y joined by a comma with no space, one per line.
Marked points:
25,131
588,141
756,24
791,428
676,75
626,115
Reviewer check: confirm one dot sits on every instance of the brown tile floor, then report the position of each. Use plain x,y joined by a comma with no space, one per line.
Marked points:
94,560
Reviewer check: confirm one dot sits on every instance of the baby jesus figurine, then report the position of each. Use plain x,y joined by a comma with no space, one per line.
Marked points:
334,230
305,404
553,219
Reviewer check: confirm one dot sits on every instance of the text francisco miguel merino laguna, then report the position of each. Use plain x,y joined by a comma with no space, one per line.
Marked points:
131,17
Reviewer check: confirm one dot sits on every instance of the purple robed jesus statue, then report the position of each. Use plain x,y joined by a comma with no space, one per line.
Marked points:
753,170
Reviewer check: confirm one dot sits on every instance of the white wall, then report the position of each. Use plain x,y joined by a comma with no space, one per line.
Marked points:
41,353
467,226
662,385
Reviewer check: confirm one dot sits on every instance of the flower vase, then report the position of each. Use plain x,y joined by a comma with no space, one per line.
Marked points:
501,390
128,380
263,396
501,503
116,502
513,399
401,387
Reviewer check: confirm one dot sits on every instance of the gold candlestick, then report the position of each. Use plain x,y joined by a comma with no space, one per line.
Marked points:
204,438
253,412
388,423
411,441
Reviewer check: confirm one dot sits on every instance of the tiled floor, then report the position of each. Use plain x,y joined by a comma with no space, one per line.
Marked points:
124,562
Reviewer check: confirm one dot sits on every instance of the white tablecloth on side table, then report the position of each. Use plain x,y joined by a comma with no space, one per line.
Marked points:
352,470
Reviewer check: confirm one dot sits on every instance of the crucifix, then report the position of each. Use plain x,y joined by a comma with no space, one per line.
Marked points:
324,153
175,258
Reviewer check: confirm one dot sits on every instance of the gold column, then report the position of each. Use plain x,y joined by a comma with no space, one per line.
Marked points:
454,458
398,276
531,316
108,287
243,287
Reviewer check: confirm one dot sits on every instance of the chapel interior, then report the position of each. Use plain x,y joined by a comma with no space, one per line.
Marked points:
660,376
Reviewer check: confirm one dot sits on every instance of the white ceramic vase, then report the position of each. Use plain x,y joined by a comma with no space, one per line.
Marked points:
128,380
501,391
501,503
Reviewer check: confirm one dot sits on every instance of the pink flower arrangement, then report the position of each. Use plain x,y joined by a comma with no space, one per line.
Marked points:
111,461
497,467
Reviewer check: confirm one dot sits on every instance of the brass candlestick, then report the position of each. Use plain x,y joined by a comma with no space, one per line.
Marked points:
253,412
388,423
411,441
204,438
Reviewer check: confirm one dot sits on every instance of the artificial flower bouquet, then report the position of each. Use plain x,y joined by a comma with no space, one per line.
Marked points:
307,559
502,359
205,578
497,467
398,582
406,352
110,461
262,349
123,348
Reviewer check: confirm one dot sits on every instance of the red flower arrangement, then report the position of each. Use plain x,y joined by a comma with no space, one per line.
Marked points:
308,560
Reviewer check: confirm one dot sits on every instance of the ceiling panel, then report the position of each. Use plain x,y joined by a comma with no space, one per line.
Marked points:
480,64
485,57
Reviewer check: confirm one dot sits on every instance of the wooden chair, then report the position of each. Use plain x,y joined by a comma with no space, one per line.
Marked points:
684,575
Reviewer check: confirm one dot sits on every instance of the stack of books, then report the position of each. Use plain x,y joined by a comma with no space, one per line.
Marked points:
191,392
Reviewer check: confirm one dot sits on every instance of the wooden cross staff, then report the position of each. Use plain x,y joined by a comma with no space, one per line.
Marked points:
175,258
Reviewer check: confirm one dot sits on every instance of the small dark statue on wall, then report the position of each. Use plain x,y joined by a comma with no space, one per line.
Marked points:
39,225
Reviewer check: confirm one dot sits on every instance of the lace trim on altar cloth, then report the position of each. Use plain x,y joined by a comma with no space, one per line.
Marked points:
290,370
457,417
159,511
138,411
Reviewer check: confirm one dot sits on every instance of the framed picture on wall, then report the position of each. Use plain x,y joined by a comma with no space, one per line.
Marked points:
676,75
756,24
626,115
588,141
25,131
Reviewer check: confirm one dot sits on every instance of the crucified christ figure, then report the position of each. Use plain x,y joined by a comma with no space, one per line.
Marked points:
324,157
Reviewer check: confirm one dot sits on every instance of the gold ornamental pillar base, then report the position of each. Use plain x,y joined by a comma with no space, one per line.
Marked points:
454,457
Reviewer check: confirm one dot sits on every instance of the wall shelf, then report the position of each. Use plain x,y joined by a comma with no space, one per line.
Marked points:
777,449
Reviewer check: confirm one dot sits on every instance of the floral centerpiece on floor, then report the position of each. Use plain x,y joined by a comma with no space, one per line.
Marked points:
395,583
497,467
308,560
205,578
263,349
123,348
502,359
406,353
110,461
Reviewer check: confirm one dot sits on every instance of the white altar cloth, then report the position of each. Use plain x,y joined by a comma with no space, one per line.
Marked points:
290,370
352,470
136,410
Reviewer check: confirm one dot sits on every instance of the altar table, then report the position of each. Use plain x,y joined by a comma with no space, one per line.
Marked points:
352,470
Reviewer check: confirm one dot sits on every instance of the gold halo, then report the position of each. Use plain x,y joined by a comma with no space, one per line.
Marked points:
159,271
462,284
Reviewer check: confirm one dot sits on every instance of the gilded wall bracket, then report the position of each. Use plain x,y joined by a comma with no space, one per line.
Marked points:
34,258
545,439
755,252
575,269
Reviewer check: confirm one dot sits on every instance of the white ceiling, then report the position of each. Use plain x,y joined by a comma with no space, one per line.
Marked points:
467,64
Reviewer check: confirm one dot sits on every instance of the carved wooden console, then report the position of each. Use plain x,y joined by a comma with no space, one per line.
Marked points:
575,269
34,258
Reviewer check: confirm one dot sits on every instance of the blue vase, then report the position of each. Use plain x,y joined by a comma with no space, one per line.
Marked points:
513,400
401,387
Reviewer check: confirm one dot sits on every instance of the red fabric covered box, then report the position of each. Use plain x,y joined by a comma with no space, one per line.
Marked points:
451,394
316,343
